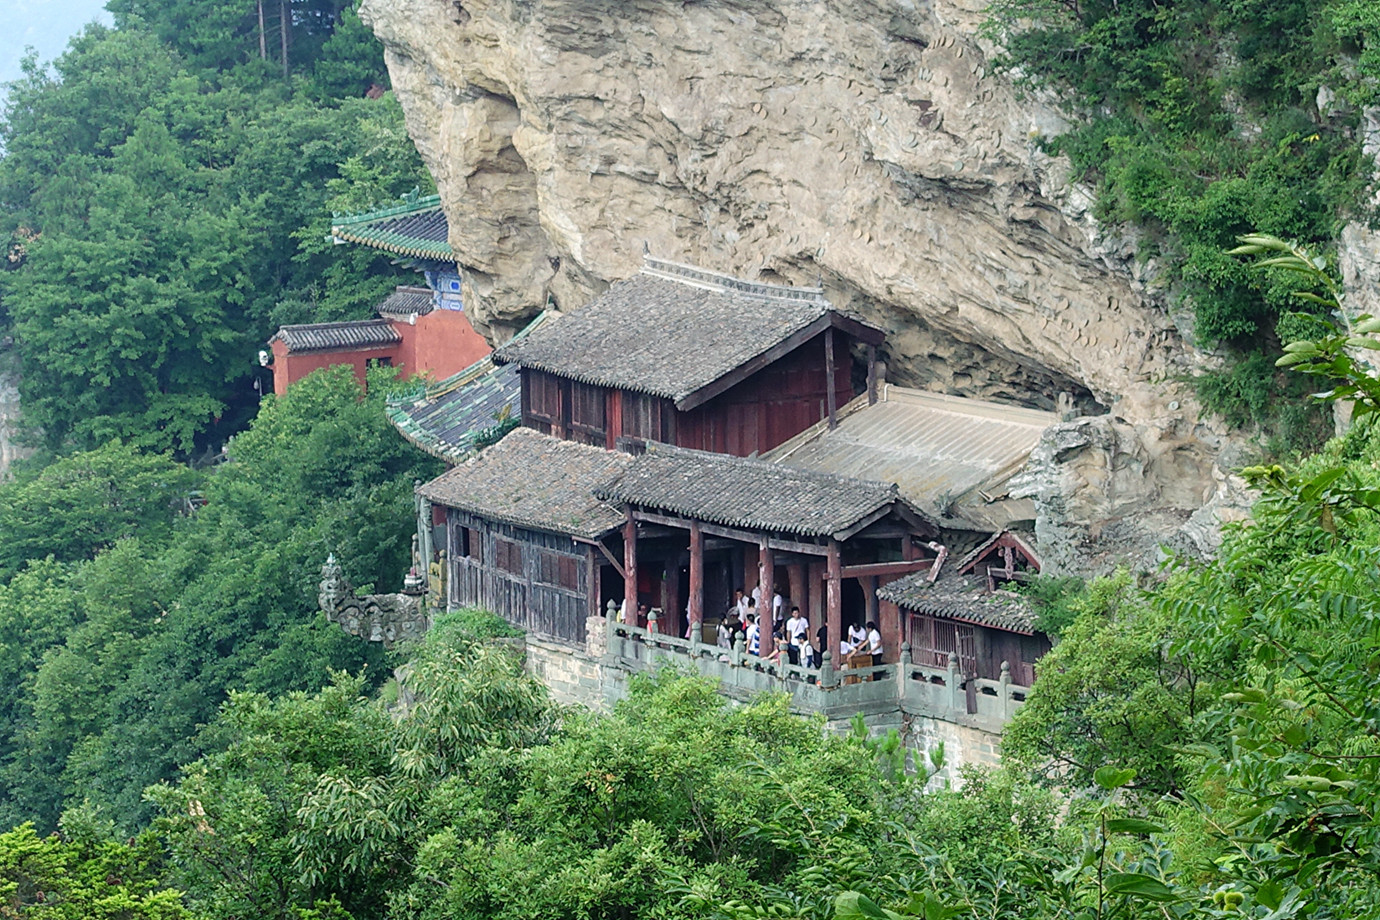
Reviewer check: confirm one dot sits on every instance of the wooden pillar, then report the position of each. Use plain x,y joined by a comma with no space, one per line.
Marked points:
832,398
750,572
630,570
768,576
592,598
872,375
815,611
889,625
670,599
798,591
696,600
908,551
833,593
869,586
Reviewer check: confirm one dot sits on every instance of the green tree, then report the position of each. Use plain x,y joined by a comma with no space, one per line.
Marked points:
83,879
89,501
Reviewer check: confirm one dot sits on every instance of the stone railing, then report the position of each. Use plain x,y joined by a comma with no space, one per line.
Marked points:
836,693
945,694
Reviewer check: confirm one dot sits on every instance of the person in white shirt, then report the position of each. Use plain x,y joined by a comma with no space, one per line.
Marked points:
796,629
741,604
725,634
856,634
874,646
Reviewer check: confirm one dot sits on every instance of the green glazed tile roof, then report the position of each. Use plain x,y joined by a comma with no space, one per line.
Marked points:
416,227
456,417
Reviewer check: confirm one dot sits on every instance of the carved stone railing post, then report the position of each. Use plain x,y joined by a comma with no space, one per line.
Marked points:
739,648
903,666
826,670
1005,690
957,699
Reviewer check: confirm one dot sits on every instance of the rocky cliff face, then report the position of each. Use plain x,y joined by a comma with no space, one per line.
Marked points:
862,142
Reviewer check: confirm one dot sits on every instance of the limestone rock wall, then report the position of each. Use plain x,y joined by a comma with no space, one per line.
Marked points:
861,143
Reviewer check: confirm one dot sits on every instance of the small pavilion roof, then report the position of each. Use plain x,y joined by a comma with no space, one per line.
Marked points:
950,456
405,301
358,333
681,332
533,480
415,227
752,494
962,597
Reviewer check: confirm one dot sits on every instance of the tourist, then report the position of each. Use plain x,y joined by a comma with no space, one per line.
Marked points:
725,633
796,629
821,643
754,635
874,646
856,635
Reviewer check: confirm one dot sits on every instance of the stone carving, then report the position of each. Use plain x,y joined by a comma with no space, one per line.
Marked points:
385,618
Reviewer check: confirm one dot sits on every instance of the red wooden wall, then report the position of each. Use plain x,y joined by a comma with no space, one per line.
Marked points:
766,409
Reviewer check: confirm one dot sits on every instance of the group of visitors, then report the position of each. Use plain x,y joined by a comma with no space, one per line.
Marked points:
745,619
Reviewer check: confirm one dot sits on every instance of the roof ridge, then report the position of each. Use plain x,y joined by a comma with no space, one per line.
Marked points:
731,459
407,205
337,324
707,278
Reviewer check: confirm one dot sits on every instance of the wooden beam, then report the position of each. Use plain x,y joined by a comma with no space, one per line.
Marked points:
696,602
613,560
741,536
832,397
873,569
868,335
630,570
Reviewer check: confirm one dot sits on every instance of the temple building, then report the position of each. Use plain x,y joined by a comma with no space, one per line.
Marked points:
687,435
418,330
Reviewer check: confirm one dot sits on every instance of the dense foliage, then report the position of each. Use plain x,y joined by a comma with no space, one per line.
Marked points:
1202,121
165,193
116,647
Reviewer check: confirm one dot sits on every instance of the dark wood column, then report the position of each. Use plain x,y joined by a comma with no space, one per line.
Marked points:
816,610
768,570
695,603
872,375
630,570
799,591
832,398
833,598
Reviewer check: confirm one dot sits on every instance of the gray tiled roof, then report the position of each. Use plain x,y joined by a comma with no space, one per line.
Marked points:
359,333
962,597
750,494
533,480
670,330
405,301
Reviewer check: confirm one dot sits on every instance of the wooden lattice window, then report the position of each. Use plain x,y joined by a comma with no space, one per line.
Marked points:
587,418
559,570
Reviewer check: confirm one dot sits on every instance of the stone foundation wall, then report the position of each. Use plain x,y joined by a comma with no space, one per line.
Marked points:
578,678
962,745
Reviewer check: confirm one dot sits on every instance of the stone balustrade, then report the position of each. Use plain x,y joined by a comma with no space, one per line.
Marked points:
838,694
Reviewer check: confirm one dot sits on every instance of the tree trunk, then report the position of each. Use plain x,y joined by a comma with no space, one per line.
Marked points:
284,24
263,39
